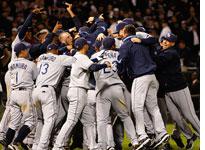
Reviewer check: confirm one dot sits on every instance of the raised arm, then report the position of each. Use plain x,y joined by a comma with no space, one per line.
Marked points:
73,16
37,50
122,59
28,22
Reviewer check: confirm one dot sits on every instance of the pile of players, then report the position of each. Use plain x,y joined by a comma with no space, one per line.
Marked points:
83,74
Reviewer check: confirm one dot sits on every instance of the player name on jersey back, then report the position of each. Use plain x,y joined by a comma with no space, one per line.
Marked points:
107,76
51,67
22,73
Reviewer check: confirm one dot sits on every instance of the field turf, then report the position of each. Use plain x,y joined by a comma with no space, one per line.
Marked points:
126,141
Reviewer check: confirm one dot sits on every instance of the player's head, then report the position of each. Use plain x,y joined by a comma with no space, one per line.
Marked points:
66,38
97,45
168,40
108,43
21,50
41,35
119,29
81,45
52,48
129,21
129,30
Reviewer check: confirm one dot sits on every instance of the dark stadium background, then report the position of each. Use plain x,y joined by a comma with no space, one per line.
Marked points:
181,16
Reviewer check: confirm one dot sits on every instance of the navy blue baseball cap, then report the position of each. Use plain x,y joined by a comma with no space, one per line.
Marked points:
83,30
170,37
59,32
119,27
80,42
21,46
128,21
52,46
108,42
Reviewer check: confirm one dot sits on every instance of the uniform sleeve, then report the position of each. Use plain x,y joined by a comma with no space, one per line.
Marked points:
149,41
38,49
25,26
122,59
163,59
66,60
16,41
97,57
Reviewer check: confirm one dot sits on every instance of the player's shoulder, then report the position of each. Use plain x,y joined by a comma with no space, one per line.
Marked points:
65,58
80,56
29,62
98,54
15,41
42,55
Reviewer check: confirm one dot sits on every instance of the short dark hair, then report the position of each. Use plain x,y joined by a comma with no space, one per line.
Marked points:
130,29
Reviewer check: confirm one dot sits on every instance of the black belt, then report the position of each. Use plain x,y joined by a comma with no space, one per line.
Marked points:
41,86
44,86
21,89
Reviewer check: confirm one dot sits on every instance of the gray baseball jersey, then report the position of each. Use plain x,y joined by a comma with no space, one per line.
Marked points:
51,67
22,73
108,76
79,73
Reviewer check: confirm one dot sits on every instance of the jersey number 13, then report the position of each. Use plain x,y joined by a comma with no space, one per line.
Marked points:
44,68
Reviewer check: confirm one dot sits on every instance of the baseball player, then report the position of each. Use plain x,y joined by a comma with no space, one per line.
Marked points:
109,127
110,92
23,73
118,32
177,95
137,60
24,35
51,67
6,116
78,87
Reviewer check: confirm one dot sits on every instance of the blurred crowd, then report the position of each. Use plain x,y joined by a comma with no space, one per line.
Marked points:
157,16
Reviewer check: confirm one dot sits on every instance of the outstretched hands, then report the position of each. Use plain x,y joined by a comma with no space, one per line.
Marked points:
69,9
57,27
38,11
69,6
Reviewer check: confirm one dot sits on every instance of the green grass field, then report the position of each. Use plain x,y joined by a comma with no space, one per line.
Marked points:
126,141
170,127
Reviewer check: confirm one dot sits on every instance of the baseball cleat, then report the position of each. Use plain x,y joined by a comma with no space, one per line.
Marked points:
190,142
178,141
3,142
13,147
163,139
143,143
111,148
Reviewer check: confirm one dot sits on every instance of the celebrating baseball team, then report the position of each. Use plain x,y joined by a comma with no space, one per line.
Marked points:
107,80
